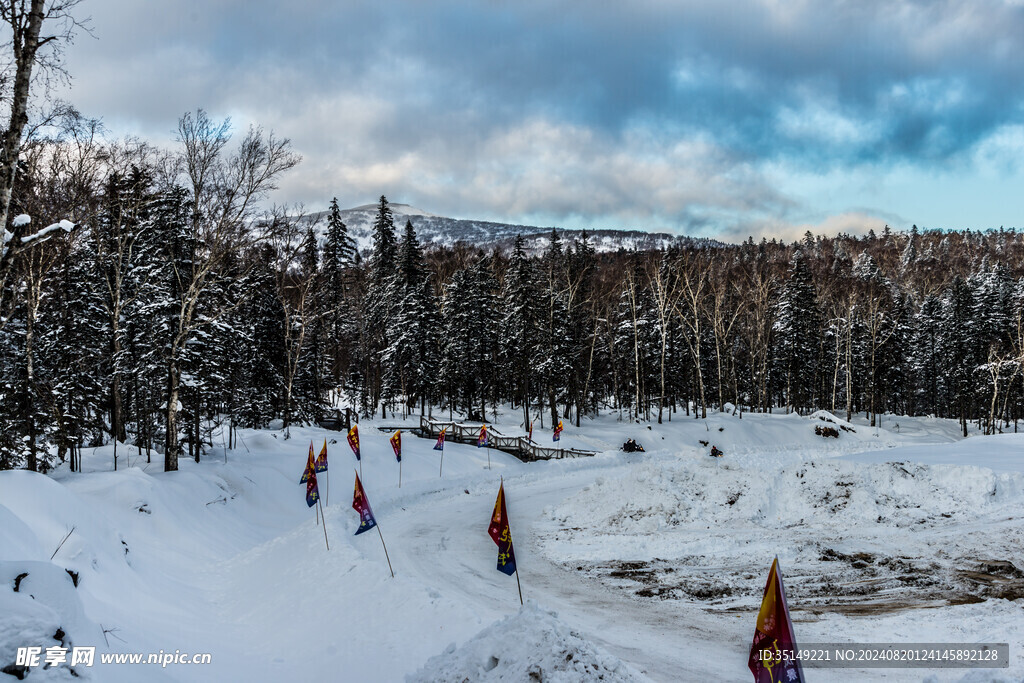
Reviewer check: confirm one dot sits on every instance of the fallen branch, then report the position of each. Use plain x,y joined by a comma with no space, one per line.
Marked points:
62,542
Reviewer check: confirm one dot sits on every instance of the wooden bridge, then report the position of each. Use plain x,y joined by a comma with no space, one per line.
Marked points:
519,446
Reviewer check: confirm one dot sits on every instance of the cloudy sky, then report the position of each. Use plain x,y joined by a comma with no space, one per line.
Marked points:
752,117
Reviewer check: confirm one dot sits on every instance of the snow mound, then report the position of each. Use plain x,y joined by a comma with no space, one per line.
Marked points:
531,645
45,611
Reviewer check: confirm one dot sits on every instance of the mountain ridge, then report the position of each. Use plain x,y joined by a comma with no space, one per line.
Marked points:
442,231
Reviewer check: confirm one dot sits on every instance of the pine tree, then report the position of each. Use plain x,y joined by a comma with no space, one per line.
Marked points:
409,359
519,333
959,350
796,330
340,257
554,353
380,299
469,353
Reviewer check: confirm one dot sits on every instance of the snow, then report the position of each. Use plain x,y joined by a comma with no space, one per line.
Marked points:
531,645
24,219
643,565
65,225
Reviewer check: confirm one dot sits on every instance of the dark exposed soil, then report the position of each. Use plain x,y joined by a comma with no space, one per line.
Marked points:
852,584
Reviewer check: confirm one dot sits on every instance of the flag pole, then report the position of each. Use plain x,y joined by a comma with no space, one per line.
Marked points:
441,468
520,587
385,550
399,474
320,505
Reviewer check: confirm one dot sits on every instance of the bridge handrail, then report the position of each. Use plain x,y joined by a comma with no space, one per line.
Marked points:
517,445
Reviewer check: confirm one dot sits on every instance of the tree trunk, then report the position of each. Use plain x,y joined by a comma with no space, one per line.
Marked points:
196,415
24,48
554,405
31,309
171,444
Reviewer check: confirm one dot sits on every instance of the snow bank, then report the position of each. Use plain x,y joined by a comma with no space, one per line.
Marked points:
860,537
654,498
531,645
45,611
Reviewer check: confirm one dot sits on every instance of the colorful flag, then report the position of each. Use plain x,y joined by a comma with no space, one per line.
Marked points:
530,436
396,444
321,460
439,446
771,653
361,505
501,535
309,466
321,469
353,439
482,439
312,490
558,432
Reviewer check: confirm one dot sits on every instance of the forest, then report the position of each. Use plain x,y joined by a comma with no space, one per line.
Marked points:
174,302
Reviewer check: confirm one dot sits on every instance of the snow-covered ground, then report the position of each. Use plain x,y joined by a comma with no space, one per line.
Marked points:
634,566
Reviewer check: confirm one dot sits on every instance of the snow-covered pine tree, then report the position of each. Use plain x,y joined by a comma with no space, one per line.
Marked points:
380,299
469,343
72,348
337,283
796,331
308,398
959,350
519,333
553,355
409,364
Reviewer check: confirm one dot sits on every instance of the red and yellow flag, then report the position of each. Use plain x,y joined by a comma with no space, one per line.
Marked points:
396,444
321,471
481,440
558,432
321,460
353,440
309,466
309,477
501,534
772,657
361,504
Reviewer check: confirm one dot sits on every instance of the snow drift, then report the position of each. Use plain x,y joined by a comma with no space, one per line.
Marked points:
531,645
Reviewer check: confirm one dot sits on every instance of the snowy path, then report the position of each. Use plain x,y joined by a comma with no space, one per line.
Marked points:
443,544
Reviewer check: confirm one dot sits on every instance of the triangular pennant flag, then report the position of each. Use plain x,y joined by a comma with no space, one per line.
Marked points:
309,466
321,468
353,439
772,657
501,534
396,444
312,490
362,505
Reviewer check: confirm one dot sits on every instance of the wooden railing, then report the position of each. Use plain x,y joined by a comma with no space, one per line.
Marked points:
519,446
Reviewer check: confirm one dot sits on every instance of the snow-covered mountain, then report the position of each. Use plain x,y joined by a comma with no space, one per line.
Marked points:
443,231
